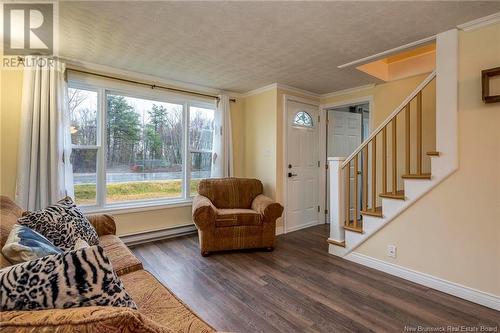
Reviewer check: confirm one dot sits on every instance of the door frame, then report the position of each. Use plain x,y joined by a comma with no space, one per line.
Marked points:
323,138
291,98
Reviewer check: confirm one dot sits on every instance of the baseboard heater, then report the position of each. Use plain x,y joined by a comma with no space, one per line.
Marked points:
154,235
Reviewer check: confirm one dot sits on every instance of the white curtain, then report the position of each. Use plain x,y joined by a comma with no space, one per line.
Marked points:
44,170
222,165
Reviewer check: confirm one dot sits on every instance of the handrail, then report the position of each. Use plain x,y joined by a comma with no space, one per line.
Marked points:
407,100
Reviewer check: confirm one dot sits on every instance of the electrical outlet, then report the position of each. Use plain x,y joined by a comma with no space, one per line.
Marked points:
391,251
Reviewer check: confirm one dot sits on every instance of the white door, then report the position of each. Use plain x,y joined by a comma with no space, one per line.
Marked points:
302,167
344,136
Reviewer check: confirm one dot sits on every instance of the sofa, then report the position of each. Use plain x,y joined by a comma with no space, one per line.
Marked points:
232,213
158,309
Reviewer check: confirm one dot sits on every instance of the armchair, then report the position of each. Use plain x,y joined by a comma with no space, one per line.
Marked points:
232,213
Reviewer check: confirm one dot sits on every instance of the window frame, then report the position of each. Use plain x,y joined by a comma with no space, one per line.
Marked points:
294,124
109,87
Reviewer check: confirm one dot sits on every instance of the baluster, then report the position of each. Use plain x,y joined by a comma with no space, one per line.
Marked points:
394,158
374,173
356,190
384,160
407,137
364,202
419,133
347,194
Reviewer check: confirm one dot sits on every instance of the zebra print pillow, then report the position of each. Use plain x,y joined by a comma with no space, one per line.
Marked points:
62,224
71,279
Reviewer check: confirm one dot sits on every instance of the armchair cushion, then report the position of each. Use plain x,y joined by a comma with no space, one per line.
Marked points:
237,217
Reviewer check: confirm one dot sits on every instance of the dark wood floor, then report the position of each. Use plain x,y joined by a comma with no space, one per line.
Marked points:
300,288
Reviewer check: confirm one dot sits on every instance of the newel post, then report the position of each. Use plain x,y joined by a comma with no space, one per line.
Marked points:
337,232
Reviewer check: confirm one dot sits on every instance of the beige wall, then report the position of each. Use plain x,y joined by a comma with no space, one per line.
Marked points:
260,139
238,133
11,91
454,231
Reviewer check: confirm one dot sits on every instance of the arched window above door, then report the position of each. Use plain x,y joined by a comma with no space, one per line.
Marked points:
303,119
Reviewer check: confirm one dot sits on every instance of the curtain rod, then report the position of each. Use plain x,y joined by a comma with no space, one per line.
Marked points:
152,85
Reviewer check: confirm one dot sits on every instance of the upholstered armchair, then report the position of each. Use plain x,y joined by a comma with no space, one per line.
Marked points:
232,213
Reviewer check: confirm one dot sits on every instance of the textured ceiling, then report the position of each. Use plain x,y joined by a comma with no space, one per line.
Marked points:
241,46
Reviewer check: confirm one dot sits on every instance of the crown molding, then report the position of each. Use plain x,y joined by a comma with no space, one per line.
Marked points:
122,73
280,86
383,54
480,22
260,90
297,90
348,91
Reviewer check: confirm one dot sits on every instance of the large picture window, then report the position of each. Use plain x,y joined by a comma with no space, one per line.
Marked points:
131,150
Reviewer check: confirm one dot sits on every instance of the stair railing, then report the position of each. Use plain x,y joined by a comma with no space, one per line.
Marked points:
350,219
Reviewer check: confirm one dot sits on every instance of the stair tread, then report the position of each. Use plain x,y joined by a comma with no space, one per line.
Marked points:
377,212
433,153
415,176
400,195
333,242
352,228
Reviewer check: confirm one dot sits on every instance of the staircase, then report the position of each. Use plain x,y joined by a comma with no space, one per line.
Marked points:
396,165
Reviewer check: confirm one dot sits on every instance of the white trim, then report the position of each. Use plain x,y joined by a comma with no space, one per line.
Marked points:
359,100
348,91
260,90
284,114
279,230
452,288
134,207
303,226
480,22
154,235
297,90
275,85
411,45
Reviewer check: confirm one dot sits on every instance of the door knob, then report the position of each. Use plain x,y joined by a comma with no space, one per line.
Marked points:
290,175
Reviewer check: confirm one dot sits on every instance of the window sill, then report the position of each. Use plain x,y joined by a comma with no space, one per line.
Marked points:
124,208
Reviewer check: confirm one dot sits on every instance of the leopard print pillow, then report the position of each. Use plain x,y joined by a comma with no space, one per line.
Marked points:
71,279
62,224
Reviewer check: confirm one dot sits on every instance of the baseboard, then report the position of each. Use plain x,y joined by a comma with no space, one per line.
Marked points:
154,235
279,230
303,226
455,289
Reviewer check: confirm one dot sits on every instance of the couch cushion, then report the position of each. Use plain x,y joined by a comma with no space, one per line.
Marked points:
230,192
93,319
237,217
121,257
156,302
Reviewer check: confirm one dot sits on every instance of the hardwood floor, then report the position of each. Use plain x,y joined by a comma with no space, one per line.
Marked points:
301,288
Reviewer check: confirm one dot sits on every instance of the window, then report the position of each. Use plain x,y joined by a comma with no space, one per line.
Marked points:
130,149
303,119
201,132
83,115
